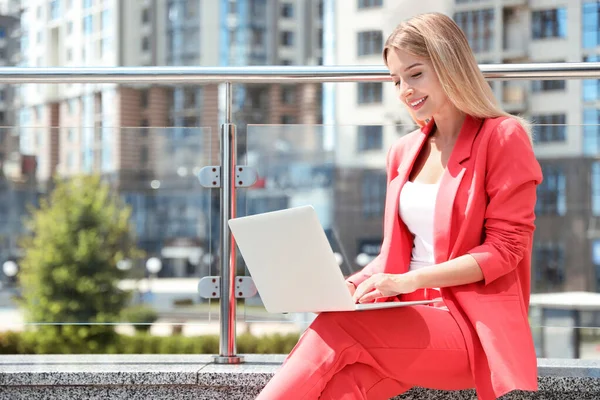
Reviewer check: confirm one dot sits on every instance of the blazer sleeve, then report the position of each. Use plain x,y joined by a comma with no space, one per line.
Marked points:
512,175
375,266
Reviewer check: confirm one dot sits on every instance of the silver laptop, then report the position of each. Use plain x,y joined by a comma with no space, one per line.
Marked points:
292,264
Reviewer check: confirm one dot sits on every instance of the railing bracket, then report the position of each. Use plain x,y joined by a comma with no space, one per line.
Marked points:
209,287
210,176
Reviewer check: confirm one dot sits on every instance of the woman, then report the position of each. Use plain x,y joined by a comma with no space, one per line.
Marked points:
459,222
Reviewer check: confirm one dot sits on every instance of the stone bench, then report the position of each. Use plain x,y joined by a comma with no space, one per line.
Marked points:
197,377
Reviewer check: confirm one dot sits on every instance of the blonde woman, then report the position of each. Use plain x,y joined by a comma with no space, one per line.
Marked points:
458,224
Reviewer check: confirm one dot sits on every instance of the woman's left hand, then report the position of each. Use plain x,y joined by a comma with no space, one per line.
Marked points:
384,285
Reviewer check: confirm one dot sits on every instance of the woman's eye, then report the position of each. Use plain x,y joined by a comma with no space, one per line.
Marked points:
397,83
416,75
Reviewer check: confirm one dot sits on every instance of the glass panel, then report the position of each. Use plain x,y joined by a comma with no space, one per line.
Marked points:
333,169
117,254
298,165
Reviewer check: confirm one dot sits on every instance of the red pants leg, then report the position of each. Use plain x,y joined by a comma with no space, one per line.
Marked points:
403,347
360,381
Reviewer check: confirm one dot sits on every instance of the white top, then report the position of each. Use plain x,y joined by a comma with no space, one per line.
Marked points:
417,207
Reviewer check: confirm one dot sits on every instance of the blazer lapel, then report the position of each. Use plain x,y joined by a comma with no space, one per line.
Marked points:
404,167
449,185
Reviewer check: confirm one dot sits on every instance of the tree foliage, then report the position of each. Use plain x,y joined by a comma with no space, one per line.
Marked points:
69,275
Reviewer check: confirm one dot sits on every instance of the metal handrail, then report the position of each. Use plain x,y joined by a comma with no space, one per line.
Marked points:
274,74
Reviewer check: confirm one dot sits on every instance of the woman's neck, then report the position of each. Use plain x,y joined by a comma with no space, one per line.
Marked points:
448,124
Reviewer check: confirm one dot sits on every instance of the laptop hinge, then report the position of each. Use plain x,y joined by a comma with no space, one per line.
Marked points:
210,176
209,287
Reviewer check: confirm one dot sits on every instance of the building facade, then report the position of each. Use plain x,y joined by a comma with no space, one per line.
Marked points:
150,140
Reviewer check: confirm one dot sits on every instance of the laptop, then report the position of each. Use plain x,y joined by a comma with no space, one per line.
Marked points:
292,264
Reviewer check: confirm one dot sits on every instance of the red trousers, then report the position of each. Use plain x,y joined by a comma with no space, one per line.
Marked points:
374,354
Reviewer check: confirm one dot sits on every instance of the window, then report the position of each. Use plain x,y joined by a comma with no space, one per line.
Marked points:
145,16
547,86
478,26
550,128
370,92
595,188
105,20
591,87
287,119
54,9
144,127
319,39
549,264
87,3
369,3
287,38
287,10
71,135
549,23
189,97
69,27
258,37
144,99
71,106
373,193
591,24
232,7
370,137
552,192
2,32
591,131
288,94
69,55
144,155
87,24
145,43
370,42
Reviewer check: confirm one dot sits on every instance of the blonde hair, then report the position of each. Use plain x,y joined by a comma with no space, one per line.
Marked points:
436,37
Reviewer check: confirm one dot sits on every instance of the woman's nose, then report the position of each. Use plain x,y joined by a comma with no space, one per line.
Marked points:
405,91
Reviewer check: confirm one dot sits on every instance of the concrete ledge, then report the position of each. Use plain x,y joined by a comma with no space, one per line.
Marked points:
197,377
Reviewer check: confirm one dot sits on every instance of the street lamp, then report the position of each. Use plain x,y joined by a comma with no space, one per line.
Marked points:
153,265
10,268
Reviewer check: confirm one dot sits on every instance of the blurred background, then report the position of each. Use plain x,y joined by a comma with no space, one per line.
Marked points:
319,144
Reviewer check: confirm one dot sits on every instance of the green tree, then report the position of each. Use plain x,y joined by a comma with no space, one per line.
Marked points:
68,273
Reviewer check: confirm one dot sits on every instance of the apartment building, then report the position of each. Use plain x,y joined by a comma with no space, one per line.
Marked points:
566,114
150,139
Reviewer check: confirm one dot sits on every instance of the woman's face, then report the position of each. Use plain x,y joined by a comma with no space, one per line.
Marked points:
417,84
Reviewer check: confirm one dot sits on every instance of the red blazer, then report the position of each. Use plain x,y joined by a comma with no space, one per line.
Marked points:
485,207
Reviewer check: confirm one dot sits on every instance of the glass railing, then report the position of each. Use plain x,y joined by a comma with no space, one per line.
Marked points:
174,225
147,269
144,273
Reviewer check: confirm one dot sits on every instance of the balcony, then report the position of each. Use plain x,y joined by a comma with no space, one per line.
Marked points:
175,217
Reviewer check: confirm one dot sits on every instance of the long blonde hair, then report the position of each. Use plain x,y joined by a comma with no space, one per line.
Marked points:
436,37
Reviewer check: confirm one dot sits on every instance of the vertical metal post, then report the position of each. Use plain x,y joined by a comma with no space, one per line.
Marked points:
227,336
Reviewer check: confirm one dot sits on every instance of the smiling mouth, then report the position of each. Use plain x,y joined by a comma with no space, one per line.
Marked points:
417,103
